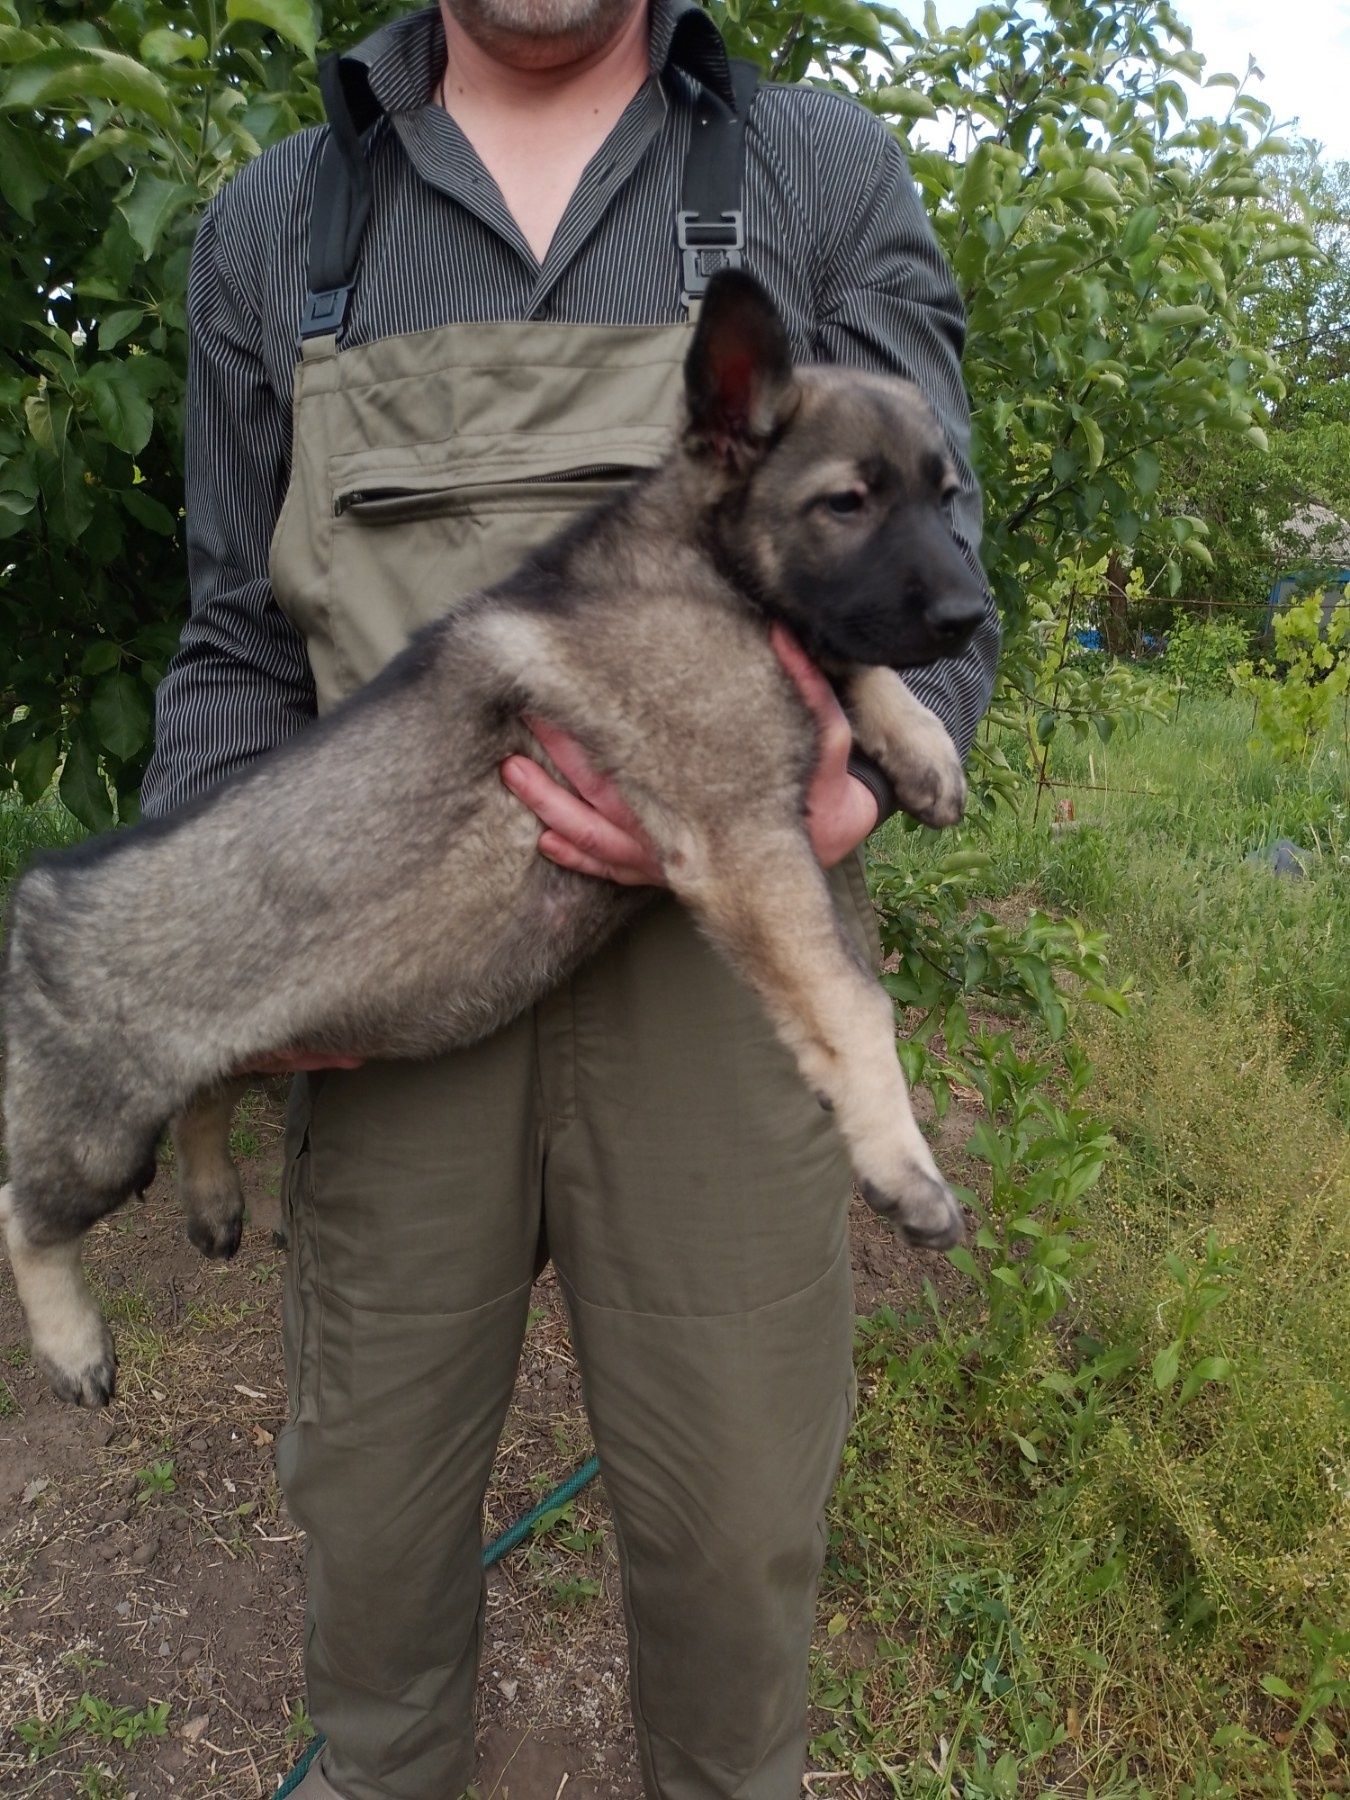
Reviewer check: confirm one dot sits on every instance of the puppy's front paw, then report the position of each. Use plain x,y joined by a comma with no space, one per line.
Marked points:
911,744
930,782
82,1366
936,793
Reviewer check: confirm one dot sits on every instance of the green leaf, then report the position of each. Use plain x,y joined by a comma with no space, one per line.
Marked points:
83,788
1140,229
68,79
291,19
34,767
1147,471
1209,1368
151,206
979,178
114,140
119,406
1097,185
114,326
121,715
23,179
1093,438
1278,1689
148,511
965,862
103,654
66,488
1005,1776
1165,1366
1194,314
167,47
47,420
904,103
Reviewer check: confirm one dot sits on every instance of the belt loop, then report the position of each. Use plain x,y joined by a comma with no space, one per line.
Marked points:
319,347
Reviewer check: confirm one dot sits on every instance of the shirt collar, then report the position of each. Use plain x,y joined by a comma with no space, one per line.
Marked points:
404,60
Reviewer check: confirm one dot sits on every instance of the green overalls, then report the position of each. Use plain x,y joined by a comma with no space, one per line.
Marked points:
643,1120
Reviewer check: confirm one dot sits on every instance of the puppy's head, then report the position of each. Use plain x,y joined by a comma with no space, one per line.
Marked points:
825,490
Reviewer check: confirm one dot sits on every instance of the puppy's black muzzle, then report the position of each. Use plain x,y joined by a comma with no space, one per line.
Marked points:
951,618
907,598
942,601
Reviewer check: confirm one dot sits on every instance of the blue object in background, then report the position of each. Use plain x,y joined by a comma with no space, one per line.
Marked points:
1288,588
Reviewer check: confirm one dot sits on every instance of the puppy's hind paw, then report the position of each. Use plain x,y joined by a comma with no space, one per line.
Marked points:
924,1209
216,1237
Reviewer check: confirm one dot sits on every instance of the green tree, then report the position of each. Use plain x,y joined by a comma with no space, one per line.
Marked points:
117,123
1301,316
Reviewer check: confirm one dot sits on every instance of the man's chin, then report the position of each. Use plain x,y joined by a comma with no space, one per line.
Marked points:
541,34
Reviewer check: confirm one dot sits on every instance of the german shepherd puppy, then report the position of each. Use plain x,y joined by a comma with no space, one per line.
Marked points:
370,888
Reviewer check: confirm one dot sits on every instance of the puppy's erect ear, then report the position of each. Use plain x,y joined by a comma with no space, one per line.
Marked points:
738,374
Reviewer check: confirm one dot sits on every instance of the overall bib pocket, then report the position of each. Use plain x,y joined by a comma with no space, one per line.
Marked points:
446,520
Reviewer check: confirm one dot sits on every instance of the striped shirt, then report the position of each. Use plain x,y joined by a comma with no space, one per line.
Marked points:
833,227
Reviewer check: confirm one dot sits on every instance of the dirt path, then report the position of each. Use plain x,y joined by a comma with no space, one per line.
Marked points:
146,1557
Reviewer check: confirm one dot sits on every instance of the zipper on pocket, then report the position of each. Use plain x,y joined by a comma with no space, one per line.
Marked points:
587,472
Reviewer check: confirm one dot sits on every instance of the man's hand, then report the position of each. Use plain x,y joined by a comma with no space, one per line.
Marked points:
298,1062
840,810
589,827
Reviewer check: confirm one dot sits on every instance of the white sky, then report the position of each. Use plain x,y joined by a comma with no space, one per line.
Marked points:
1303,47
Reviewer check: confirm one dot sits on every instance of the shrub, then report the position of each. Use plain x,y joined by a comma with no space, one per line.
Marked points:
1201,654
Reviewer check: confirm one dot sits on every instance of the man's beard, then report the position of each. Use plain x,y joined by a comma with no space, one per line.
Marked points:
541,32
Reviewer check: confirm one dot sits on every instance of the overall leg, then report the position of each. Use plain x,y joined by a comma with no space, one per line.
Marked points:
413,1201
696,1203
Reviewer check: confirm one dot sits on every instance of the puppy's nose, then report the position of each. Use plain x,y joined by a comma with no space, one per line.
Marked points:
952,616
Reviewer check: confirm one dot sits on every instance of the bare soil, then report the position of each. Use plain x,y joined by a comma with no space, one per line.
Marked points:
146,1555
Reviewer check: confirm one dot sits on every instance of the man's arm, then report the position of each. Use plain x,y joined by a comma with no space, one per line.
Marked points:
240,681
888,302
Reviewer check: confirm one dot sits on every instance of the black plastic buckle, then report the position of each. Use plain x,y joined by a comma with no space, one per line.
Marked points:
325,312
708,245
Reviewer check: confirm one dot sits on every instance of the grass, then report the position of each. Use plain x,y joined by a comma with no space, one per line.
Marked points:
100,1719
1105,1554
24,830
1166,818
1113,1561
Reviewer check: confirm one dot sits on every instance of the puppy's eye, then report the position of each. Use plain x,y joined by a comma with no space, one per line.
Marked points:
940,473
848,500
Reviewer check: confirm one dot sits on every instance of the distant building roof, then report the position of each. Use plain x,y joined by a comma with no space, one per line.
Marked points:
1313,536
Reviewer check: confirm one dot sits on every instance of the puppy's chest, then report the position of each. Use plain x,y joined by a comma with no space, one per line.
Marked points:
685,693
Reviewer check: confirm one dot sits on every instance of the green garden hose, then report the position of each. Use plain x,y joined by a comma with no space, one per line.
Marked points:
492,1553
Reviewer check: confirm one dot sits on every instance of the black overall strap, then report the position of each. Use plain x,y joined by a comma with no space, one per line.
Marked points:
710,225
341,202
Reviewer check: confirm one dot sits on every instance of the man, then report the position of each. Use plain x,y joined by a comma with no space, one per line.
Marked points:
495,309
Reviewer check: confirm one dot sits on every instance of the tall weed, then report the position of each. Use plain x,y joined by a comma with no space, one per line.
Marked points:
1090,1531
